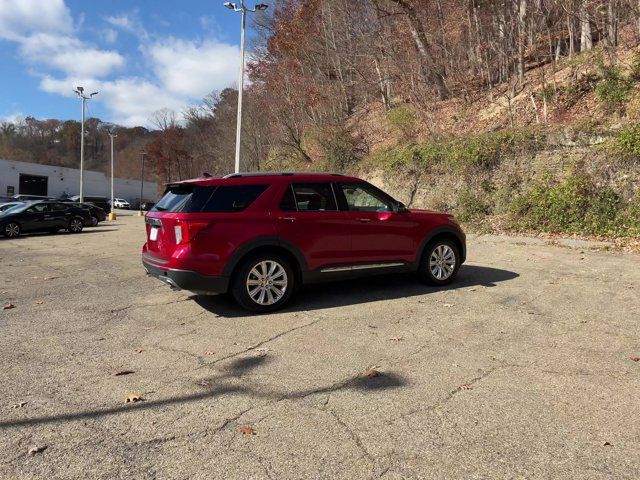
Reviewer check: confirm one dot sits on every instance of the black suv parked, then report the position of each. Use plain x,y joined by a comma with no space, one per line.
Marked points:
43,217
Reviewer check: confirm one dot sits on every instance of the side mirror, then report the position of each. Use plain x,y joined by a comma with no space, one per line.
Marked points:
399,207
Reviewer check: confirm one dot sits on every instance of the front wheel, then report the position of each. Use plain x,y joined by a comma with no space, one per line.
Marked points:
440,262
263,283
11,230
75,225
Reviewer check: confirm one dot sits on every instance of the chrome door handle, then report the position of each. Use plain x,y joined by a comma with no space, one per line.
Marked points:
365,220
288,219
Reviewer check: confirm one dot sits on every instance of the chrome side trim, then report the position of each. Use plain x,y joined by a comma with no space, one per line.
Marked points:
360,267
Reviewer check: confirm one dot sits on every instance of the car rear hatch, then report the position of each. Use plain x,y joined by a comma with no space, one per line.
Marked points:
188,208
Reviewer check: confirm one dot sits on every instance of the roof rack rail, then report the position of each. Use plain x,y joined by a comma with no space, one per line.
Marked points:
259,174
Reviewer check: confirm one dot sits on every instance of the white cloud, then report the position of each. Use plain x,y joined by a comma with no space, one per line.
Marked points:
178,72
128,22
21,18
109,35
194,69
69,55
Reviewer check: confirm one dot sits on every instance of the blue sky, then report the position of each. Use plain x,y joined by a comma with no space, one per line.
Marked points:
142,55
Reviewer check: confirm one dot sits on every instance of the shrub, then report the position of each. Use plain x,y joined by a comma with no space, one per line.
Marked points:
404,120
340,149
634,73
614,90
574,205
472,207
624,144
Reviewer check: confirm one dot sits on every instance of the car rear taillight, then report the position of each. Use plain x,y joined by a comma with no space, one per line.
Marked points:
186,230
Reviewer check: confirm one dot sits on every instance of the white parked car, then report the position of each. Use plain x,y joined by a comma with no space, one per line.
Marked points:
121,203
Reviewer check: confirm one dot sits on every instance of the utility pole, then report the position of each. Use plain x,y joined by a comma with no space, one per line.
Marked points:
140,212
243,9
112,214
84,98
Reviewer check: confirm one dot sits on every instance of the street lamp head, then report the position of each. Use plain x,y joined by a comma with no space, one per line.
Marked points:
261,6
230,5
94,93
80,89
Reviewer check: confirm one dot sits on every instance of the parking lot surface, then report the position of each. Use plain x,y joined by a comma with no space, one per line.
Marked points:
526,367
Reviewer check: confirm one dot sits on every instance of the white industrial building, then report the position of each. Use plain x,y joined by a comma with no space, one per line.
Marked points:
47,180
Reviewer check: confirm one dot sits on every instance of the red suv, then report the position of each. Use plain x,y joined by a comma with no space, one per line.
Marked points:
262,235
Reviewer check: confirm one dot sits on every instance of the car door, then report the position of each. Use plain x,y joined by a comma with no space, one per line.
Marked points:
60,213
309,219
378,234
36,217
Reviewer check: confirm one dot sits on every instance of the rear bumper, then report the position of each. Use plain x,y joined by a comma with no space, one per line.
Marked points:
187,279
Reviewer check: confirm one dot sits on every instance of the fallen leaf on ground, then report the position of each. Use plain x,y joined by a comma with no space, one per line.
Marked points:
397,339
8,306
39,302
372,373
607,444
247,430
466,387
448,305
122,372
635,359
140,350
372,326
19,405
134,397
50,278
209,352
34,450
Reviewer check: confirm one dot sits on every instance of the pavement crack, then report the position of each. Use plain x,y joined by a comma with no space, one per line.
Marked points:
261,343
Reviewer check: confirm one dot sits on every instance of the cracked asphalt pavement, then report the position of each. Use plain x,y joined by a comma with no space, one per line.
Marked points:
526,367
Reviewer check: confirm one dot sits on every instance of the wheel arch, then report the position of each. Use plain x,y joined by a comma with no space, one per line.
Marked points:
445,233
264,245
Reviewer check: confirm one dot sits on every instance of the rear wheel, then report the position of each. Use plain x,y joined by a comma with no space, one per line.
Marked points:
263,283
440,262
11,230
94,221
75,225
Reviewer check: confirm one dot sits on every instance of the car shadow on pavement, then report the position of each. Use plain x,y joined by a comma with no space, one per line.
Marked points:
363,290
225,381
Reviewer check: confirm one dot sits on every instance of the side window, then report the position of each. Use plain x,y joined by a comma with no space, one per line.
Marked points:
288,202
59,207
41,208
361,198
312,197
233,199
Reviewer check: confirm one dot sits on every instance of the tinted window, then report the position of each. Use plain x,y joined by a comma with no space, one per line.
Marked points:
314,197
288,202
40,208
233,199
195,198
362,197
59,207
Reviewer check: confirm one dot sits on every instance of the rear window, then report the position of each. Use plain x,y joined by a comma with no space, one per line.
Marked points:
197,199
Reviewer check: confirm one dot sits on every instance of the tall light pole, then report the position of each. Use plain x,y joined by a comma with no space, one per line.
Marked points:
112,214
84,98
140,212
243,9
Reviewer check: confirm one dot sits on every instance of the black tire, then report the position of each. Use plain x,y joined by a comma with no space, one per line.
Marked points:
11,230
240,288
75,225
440,262
94,221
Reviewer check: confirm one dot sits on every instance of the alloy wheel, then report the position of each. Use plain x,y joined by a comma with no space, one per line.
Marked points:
267,282
442,262
12,230
76,225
